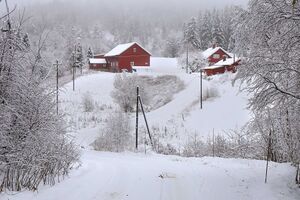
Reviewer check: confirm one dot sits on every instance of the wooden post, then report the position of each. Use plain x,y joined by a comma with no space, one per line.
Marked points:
56,64
213,142
298,174
187,58
74,66
268,156
201,90
137,118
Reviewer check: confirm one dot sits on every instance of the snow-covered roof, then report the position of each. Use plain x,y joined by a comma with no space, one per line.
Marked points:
222,63
97,61
213,67
121,48
228,61
210,51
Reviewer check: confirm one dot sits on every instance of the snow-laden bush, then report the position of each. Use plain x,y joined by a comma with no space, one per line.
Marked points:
234,144
125,91
210,92
195,148
196,61
155,91
88,102
115,137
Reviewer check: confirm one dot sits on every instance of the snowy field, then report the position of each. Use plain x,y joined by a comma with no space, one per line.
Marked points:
136,176
182,116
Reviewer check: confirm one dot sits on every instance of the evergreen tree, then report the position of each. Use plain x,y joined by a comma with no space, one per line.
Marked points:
172,47
90,53
191,34
79,57
217,32
206,30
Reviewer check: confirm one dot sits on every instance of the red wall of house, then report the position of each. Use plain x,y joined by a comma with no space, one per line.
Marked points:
212,60
140,58
221,70
100,67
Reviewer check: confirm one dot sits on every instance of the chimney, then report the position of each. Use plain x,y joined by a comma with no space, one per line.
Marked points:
214,45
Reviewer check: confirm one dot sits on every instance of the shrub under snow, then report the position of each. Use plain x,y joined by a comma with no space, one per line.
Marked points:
155,91
115,137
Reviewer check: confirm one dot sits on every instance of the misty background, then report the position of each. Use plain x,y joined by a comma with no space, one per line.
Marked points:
103,24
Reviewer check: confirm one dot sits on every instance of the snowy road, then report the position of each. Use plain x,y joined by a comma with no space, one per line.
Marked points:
109,176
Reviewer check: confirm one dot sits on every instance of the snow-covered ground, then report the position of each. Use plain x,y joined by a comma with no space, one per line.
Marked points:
182,116
109,176
136,176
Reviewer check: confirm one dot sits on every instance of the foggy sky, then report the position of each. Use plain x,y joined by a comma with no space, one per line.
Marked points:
185,4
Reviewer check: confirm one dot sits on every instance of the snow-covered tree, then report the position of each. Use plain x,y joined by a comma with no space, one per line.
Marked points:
33,146
90,53
79,57
191,34
272,72
173,47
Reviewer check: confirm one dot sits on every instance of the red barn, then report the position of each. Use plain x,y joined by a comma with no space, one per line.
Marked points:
215,54
122,57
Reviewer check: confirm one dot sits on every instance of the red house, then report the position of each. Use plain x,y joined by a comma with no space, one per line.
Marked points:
215,54
124,57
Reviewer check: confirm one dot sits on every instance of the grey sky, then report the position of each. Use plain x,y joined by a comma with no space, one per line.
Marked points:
201,3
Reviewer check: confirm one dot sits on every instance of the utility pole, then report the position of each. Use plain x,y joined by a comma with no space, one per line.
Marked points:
56,65
201,90
213,142
187,58
74,66
137,118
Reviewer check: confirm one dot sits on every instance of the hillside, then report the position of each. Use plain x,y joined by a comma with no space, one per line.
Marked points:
135,176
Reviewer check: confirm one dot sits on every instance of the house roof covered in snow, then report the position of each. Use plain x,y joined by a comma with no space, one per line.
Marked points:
97,61
122,48
228,61
210,51
222,63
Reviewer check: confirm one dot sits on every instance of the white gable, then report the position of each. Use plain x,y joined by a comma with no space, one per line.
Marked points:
210,51
121,48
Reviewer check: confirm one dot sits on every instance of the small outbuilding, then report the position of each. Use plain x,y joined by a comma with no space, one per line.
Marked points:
225,65
98,64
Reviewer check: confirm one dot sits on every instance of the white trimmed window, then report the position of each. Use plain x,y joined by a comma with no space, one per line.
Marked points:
134,50
132,63
216,56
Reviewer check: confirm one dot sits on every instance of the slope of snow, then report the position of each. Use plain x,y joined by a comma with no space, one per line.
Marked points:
108,176
135,176
164,65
